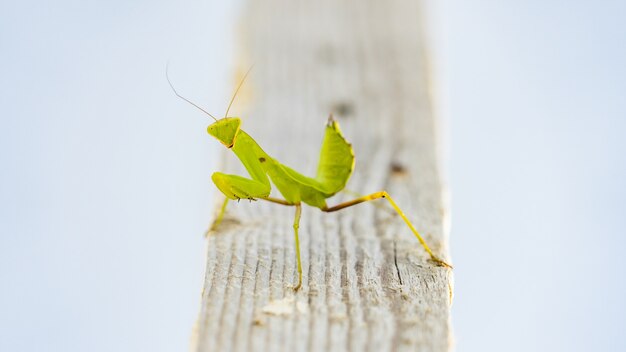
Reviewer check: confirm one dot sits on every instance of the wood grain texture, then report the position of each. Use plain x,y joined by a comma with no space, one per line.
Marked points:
368,285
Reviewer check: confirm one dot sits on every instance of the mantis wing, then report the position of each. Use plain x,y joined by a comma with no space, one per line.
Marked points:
336,160
334,170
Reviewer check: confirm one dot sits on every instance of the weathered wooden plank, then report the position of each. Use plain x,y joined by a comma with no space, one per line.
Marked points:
368,285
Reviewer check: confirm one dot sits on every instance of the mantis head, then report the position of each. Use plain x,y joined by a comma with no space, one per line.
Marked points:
225,130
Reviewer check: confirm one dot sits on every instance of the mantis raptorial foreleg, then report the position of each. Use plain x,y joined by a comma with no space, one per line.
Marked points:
395,206
236,187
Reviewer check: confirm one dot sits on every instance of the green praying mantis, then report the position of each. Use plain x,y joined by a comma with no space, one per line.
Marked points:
335,167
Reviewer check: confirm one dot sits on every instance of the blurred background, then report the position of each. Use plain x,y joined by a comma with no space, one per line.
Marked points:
105,189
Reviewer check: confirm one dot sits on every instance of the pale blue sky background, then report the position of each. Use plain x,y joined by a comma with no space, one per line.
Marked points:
535,100
105,175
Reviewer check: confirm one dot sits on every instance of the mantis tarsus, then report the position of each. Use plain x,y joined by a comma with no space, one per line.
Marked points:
334,169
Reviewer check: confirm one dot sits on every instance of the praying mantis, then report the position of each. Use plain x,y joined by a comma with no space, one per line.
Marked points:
336,164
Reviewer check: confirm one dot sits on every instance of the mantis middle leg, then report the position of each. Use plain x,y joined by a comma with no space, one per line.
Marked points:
296,227
395,206
220,215
219,218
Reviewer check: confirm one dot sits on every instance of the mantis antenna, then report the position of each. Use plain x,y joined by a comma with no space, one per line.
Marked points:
237,90
183,98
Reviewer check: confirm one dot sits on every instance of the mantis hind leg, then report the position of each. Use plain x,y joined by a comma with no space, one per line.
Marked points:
395,206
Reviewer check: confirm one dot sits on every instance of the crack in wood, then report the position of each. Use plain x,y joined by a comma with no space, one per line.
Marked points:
395,262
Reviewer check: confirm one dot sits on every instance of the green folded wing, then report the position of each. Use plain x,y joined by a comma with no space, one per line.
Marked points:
336,160
335,167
